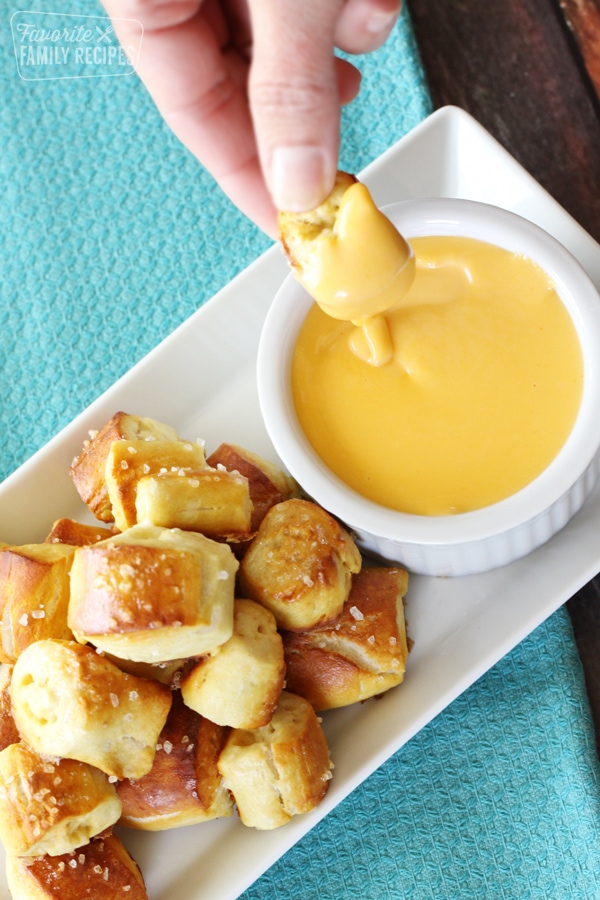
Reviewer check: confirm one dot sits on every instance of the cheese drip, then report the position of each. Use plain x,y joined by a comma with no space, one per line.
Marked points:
363,267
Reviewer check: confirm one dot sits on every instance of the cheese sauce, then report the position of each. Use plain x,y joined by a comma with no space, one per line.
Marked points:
481,391
356,282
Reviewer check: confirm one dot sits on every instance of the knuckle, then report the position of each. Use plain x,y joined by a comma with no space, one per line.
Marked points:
288,97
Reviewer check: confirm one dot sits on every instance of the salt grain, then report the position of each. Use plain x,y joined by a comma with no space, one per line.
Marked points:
356,613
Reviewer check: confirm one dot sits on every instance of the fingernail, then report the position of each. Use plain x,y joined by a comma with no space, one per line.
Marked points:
300,177
379,22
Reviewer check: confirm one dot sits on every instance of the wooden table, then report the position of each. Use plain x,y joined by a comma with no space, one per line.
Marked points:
529,72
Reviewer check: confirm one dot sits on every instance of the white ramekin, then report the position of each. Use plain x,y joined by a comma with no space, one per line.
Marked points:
469,542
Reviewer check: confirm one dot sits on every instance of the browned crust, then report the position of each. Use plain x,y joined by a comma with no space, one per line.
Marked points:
76,534
102,870
34,595
120,588
87,470
359,656
268,486
51,805
9,733
184,785
300,565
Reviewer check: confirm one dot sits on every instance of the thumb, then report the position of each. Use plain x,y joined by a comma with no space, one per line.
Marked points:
294,98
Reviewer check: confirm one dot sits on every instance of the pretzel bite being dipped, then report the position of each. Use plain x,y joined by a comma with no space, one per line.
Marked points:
301,232
68,701
280,770
102,870
360,655
300,565
184,785
88,469
239,683
153,594
51,806
34,595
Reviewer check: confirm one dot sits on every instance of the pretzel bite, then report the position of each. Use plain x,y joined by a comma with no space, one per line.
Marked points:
128,461
239,683
68,701
88,469
280,770
207,500
360,655
268,485
102,870
153,594
300,232
300,565
184,785
76,534
34,595
9,733
54,806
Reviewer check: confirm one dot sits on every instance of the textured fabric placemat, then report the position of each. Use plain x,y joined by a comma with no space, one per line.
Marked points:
111,235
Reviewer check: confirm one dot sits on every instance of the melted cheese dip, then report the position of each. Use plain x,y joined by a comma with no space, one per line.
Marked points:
481,393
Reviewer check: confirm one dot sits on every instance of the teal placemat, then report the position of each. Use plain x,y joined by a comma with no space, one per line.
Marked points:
111,235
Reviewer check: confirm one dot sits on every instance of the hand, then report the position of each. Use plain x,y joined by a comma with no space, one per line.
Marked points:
253,89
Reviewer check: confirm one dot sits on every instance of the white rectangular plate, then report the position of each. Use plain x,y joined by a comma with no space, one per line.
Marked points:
201,380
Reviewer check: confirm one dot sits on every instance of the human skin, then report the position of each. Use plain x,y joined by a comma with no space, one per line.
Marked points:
253,88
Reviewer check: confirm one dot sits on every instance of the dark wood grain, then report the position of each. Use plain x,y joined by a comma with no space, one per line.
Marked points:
527,70
583,18
513,64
